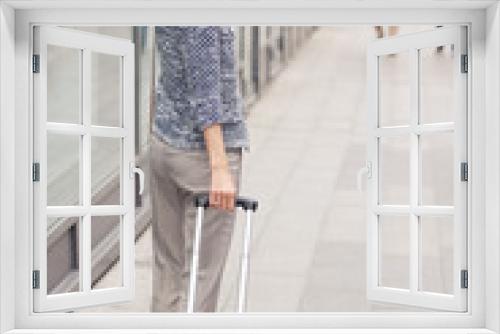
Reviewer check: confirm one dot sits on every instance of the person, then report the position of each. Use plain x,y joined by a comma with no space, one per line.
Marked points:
392,31
198,136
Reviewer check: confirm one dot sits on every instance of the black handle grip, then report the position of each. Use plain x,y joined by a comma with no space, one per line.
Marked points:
241,202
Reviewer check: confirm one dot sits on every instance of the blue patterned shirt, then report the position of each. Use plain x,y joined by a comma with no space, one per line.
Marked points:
197,86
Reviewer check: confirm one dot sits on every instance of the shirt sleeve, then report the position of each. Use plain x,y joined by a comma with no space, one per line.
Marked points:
203,54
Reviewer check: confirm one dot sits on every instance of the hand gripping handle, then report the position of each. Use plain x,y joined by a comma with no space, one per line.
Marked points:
202,200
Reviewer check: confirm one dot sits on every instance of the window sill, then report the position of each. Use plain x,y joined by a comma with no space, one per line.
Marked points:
255,331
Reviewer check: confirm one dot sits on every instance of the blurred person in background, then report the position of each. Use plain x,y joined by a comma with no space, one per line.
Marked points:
198,135
392,31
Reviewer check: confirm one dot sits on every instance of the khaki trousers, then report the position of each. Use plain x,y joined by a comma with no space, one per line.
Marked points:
176,176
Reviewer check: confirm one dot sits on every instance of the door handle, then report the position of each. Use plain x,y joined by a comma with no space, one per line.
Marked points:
366,170
136,170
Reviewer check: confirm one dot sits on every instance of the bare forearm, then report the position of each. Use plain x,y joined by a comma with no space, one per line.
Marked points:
215,147
222,190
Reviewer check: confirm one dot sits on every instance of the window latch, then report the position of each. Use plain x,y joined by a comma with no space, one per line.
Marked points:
136,170
366,170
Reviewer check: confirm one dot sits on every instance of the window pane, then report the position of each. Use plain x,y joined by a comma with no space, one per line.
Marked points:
437,168
436,254
63,273
436,84
106,170
63,169
63,84
106,89
106,244
394,89
143,87
394,241
394,170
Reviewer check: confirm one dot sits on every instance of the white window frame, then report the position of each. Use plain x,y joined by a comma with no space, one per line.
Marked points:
125,210
16,20
414,210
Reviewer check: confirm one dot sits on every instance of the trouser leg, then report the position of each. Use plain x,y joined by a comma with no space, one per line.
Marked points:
217,230
167,238
177,176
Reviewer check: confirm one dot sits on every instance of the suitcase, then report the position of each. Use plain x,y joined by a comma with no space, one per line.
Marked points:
201,202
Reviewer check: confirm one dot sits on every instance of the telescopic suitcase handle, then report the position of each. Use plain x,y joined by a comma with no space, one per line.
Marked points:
201,202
